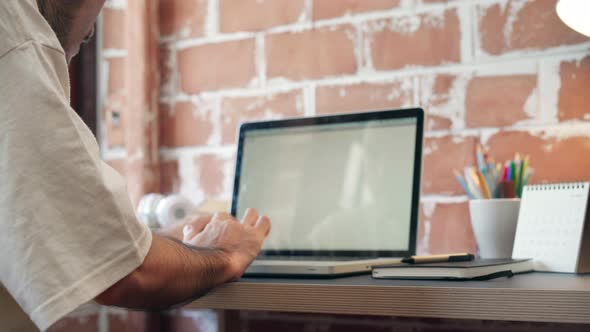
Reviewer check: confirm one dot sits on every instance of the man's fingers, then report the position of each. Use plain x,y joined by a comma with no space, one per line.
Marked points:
188,232
199,223
263,225
250,217
222,216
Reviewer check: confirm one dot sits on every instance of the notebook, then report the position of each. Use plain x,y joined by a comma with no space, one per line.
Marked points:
483,269
553,227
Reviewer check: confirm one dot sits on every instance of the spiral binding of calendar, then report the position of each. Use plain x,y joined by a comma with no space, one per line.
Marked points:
557,186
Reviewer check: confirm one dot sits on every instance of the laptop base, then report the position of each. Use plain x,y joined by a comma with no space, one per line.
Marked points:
316,269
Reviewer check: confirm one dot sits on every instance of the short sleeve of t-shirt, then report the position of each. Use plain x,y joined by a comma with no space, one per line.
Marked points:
68,230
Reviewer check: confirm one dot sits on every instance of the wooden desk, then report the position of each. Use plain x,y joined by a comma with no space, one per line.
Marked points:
534,297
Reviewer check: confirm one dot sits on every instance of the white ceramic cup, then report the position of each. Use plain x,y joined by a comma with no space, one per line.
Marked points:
494,225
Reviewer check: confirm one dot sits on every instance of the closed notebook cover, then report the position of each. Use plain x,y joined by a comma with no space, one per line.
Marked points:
456,265
482,269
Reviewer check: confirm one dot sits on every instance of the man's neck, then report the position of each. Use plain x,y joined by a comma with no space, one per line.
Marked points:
58,19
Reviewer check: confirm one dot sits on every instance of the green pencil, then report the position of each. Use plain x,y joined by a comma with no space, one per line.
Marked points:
516,174
520,179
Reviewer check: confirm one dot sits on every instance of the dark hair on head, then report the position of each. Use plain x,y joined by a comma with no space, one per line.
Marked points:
60,15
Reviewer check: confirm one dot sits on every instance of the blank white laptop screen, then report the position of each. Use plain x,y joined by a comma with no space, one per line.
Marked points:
344,186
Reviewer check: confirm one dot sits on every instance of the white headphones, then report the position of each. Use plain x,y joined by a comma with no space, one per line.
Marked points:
158,211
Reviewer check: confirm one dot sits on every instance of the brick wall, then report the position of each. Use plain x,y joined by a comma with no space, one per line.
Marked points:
507,74
180,75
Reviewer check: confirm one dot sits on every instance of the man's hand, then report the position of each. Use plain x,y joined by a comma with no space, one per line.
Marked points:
241,242
216,250
175,231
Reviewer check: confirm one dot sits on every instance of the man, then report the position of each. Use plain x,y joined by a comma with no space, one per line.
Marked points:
68,232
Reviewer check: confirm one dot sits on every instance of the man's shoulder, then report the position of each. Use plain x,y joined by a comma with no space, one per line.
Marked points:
21,23
30,53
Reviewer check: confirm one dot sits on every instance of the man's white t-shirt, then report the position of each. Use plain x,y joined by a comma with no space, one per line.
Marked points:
68,230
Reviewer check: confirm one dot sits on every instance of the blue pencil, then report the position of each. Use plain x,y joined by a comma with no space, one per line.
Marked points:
464,184
479,155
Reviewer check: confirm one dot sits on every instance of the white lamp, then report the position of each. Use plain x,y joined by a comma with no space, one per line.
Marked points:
575,14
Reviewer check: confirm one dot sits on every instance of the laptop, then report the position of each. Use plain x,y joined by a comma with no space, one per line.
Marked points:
342,191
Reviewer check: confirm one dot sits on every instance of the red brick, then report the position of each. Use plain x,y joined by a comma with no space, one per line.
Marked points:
185,124
450,229
255,15
438,100
141,81
234,111
74,324
166,70
169,177
323,9
535,25
421,240
553,159
495,101
114,119
311,54
363,97
443,155
116,76
437,122
574,96
211,174
395,44
182,18
142,177
215,66
113,28
441,89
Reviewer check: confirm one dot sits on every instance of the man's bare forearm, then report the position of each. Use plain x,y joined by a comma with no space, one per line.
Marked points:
172,273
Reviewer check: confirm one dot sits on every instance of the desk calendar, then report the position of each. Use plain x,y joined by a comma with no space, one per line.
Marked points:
553,227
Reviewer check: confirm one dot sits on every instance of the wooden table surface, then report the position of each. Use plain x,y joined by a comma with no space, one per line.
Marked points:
539,297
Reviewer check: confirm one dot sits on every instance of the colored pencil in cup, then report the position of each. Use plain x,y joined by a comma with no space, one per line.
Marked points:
517,175
464,184
488,179
472,182
521,176
479,155
484,186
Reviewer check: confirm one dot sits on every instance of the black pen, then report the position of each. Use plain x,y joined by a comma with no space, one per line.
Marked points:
462,257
